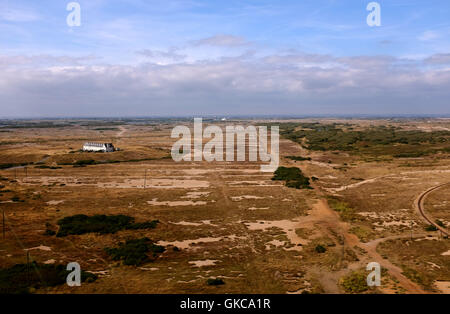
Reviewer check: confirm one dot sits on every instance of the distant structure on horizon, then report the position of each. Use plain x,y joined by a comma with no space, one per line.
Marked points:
98,147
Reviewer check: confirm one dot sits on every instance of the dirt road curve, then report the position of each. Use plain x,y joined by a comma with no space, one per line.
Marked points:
332,219
418,204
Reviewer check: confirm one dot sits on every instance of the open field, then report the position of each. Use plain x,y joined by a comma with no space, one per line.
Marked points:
229,220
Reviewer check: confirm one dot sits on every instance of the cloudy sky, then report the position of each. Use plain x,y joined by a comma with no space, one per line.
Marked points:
234,57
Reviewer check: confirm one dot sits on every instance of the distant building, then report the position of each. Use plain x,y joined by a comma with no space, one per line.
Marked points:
98,147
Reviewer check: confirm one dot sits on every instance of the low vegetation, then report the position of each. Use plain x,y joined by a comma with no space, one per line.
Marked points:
346,212
298,158
374,140
356,282
23,278
293,177
135,252
47,167
80,224
12,165
91,162
431,228
215,282
320,248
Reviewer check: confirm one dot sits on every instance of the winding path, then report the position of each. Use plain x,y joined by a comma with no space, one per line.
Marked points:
418,204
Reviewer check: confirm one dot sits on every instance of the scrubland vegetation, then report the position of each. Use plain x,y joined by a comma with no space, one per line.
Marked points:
379,140
135,252
102,224
23,278
293,177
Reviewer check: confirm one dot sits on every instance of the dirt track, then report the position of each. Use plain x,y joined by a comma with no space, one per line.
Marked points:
418,204
352,240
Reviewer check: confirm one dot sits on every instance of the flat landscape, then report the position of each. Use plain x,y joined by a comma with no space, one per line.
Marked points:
226,227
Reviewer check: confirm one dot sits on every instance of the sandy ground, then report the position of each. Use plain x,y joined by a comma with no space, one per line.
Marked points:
228,220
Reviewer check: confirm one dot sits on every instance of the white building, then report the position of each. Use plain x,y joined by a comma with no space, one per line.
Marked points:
98,147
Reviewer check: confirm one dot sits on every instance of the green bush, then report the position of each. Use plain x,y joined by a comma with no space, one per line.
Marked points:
49,232
21,277
135,252
356,282
84,163
143,225
215,282
431,228
346,212
320,249
293,177
80,224
298,158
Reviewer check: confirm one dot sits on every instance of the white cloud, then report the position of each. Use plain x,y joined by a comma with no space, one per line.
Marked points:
17,14
428,35
162,57
440,58
222,40
275,84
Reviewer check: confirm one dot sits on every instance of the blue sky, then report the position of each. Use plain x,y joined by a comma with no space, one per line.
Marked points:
139,57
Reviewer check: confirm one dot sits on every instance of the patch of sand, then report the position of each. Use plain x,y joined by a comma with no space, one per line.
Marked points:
247,197
50,261
55,202
257,208
186,244
196,194
40,247
155,202
206,262
288,227
444,286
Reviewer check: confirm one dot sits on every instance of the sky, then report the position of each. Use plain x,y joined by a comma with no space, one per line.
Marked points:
234,57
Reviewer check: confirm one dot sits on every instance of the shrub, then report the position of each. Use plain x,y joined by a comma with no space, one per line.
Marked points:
20,278
16,199
298,158
215,282
80,224
134,252
346,212
356,282
293,177
320,249
84,163
49,232
143,225
47,167
431,228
